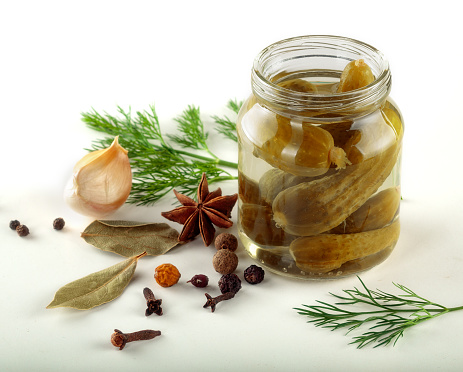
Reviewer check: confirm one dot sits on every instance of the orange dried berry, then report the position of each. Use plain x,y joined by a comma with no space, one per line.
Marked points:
166,275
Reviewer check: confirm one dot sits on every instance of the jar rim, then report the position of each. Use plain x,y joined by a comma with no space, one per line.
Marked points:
274,57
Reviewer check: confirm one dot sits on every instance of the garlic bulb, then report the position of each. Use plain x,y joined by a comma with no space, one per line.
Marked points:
101,181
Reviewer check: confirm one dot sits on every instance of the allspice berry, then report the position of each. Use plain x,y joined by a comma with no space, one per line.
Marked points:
226,241
225,261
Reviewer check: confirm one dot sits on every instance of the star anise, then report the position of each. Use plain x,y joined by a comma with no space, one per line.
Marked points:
199,217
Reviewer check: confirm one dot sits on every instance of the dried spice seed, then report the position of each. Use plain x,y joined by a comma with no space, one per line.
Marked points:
229,283
153,305
226,241
14,224
22,230
254,274
58,223
166,275
199,280
119,339
225,261
199,217
213,301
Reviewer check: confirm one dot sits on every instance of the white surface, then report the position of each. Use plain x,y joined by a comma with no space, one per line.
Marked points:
59,59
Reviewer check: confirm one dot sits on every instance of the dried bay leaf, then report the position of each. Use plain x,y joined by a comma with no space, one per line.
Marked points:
129,238
97,288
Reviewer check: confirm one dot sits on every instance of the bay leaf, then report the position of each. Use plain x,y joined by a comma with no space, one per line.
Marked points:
128,238
97,288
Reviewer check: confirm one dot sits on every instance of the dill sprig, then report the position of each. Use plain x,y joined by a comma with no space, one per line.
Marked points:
158,166
226,126
387,315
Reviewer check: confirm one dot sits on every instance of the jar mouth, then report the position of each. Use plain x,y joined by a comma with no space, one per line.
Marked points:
325,55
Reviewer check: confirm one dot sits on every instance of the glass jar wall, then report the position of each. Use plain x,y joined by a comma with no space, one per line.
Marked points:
319,158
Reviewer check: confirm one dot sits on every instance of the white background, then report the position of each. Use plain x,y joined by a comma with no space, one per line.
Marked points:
61,58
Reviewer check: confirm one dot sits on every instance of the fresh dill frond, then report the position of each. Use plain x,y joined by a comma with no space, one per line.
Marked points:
226,126
235,105
192,131
387,315
158,166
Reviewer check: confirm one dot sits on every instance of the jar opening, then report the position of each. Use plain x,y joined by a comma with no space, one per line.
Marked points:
320,59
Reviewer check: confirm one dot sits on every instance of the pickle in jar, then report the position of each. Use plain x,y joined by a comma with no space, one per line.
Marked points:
302,149
311,208
357,74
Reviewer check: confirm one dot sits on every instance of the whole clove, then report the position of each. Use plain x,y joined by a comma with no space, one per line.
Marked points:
213,301
153,304
119,339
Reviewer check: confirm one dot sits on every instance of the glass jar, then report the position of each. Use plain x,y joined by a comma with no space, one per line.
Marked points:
319,159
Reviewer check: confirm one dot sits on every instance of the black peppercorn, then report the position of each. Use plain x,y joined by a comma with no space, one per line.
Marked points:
22,230
14,224
229,283
254,274
58,223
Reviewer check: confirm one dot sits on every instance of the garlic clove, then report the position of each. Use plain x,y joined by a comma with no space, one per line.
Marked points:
101,181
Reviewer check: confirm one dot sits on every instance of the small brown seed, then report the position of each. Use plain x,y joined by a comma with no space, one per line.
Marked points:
22,230
58,223
14,224
166,275
225,261
226,241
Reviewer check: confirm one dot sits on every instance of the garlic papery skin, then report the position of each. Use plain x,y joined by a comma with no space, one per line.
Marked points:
101,181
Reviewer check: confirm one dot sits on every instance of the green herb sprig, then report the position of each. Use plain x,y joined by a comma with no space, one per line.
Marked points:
157,165
389,314
226,126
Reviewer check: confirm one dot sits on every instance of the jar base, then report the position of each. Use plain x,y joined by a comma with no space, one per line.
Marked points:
278,260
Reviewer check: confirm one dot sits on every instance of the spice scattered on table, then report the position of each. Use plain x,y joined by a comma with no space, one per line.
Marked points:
127,238
213,301
254,274
119,339
14,224
226,241
225,261
229,283
22,230
199,280
97,288
153,304
200,217
58,223
166,275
